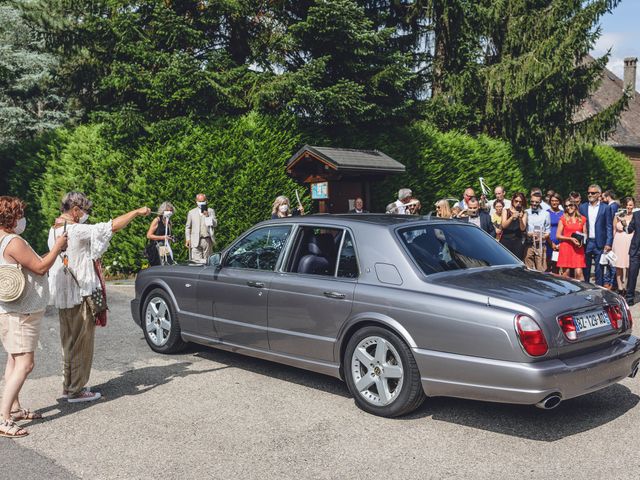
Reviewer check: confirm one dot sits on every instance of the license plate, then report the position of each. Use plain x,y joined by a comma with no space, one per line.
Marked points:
591,320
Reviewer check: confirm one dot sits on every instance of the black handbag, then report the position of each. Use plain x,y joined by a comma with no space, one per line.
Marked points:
578,236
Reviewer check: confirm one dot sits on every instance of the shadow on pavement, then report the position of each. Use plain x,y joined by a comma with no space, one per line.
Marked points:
569,418
128,383
273,369
525,421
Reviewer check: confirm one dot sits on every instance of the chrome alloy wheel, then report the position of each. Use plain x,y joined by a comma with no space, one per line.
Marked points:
377,371
158,321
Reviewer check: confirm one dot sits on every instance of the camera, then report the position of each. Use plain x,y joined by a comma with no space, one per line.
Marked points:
203,208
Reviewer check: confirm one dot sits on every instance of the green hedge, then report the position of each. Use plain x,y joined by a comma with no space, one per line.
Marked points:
602,165
441,165
240,164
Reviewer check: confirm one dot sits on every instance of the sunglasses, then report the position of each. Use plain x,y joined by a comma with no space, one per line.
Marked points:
569,205
592,193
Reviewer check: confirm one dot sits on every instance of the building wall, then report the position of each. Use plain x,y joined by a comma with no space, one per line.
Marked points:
634,158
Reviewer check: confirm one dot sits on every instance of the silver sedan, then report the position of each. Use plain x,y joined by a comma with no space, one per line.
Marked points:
399,307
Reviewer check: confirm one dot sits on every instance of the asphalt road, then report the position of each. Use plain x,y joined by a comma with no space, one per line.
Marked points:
213,414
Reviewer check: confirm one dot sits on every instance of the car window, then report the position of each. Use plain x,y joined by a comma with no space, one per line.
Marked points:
260,249
315,251
441,247
347,262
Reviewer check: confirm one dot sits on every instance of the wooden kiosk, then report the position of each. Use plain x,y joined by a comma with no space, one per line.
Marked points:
337,176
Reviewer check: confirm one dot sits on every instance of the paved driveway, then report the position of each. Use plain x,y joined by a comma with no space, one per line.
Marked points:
213,414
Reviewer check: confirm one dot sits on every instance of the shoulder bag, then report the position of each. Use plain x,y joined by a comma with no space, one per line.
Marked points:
12,280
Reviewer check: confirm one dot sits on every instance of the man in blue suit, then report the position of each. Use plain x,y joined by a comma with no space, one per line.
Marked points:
634,256
599,230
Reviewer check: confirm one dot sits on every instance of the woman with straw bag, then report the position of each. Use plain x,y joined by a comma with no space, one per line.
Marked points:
24,294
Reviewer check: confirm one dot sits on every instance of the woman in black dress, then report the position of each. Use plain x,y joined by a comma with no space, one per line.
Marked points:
159,234
514,225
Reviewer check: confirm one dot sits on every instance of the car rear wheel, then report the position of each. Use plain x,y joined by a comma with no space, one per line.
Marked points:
381,373
160,323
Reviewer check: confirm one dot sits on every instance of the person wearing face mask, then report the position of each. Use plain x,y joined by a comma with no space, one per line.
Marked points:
199,233
20,319
281,208
538,231
77,288
159,250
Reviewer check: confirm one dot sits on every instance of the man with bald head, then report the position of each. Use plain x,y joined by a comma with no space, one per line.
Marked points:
468,194
199,237
499,192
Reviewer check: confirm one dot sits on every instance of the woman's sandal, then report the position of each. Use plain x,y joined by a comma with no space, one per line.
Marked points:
25,414
9,428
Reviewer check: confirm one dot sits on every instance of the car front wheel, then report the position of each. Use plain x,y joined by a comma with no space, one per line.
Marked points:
381,373
160,323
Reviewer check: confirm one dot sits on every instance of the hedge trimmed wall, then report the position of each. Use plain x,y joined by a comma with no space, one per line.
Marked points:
240,164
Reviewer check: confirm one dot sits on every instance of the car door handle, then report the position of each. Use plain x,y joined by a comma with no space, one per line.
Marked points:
334,295
251,283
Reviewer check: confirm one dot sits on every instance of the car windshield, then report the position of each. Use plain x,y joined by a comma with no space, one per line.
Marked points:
442,247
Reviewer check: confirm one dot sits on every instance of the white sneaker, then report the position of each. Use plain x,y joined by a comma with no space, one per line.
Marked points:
65,395
85,397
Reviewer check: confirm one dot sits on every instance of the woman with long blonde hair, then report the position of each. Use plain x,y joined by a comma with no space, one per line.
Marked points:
281,208
443,209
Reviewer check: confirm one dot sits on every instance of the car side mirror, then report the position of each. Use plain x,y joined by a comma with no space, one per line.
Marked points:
214,260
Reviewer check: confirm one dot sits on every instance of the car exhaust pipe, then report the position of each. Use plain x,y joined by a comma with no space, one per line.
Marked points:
634,371
551,402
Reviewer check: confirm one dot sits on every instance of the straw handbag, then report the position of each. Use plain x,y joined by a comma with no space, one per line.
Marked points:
12,283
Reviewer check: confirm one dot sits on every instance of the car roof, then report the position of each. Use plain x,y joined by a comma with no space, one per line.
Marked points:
381,219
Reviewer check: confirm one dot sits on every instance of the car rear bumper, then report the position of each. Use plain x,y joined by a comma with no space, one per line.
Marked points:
135,311
446,374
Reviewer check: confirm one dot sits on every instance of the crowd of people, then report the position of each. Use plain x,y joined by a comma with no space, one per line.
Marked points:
546,232
70,278
566,236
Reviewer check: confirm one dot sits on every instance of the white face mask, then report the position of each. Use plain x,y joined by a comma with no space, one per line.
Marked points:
22,224
84,218
168,214
201,204
283,208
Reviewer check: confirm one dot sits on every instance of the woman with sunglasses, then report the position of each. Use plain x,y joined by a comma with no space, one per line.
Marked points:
571,249
514,225
443,210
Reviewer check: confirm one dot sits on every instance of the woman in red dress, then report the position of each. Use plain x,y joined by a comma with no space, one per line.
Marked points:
571,250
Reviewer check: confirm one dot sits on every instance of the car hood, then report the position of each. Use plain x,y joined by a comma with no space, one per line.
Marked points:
518,285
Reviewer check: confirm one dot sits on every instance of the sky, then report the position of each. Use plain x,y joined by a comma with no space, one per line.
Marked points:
621,33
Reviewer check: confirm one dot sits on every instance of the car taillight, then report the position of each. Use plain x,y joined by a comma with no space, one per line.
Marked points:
615,315
628,312
531,336
568,327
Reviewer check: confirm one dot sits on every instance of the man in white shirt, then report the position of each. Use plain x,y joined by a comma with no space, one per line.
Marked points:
538,230
199,236
399,206
499,193
600,232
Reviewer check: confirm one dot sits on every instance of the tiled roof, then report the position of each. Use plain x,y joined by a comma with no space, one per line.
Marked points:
348,159
627,134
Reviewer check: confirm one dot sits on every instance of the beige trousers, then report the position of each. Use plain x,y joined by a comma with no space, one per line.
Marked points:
535,259
77,328
201,252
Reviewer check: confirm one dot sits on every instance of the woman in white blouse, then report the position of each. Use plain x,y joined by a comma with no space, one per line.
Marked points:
72,280
20,319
